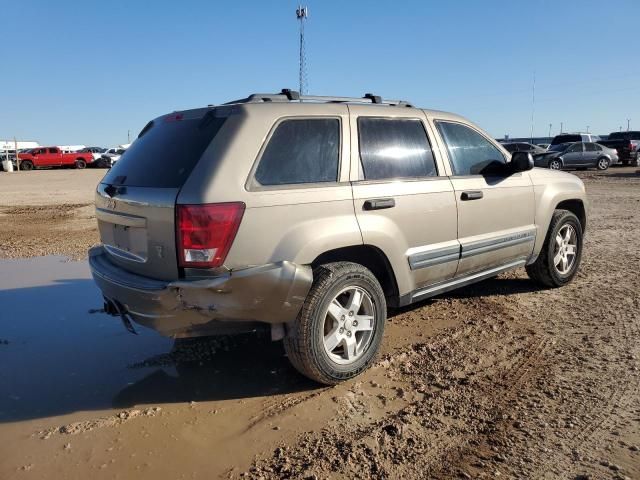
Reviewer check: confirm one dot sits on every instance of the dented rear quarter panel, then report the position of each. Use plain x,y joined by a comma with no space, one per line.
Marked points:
293,223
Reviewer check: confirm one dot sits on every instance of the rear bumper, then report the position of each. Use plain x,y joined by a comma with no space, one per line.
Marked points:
235,301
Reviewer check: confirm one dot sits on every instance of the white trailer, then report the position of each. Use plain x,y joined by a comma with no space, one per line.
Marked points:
70,148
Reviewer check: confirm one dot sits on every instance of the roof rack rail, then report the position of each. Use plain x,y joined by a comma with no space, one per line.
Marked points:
288,95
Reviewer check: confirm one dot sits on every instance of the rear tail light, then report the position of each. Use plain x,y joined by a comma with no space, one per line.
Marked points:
205,232
632,146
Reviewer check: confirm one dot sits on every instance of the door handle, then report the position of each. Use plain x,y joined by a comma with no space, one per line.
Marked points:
471,195
379,204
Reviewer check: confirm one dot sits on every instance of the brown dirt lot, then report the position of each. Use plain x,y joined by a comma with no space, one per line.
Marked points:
498,379
48,212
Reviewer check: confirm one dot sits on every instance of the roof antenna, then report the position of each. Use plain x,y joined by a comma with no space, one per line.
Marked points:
302,13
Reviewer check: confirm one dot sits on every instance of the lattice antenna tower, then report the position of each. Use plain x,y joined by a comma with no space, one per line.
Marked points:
302,14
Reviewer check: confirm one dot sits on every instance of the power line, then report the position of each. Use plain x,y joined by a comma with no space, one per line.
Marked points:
302,13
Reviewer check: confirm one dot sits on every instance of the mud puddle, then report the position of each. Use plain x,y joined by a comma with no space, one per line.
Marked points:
61,354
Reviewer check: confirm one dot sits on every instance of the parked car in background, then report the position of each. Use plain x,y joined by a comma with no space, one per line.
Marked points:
302,217
627,144
111,156
544,146
522,147
577,155
574,137
53,157
96,152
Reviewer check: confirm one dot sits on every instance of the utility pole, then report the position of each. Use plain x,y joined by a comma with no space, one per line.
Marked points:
533,103
15,146
628,123
550,125
587,128
128,136
302,13
561,127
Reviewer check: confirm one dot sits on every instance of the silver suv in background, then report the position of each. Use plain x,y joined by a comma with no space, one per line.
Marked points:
312,215
574,137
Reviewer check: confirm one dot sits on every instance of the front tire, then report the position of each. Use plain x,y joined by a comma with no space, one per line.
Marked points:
603,164
561,253
339,330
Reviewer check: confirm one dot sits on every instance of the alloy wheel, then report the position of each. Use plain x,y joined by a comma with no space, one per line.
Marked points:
603,163
349,325
565,250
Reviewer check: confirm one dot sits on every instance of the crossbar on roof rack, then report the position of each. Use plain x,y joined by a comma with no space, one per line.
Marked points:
288,95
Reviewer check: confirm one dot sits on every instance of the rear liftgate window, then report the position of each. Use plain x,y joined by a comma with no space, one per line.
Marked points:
301,151
166,151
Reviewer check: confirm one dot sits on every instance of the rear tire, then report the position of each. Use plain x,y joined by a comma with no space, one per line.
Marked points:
603,163
26,165
339,330
555,164
548,269
80,164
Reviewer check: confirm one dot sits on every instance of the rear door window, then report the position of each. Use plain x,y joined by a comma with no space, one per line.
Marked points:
470,153
394,148
300,151
575,148
590,147
167,150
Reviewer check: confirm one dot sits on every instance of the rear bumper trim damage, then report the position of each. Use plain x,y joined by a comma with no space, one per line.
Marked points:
235,301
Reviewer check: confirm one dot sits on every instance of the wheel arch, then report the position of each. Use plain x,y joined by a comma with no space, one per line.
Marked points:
575,206
370,257
553,192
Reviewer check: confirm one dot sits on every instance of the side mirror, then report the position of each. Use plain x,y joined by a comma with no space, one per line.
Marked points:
521,162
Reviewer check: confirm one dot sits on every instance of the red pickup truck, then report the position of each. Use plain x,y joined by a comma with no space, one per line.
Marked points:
52,157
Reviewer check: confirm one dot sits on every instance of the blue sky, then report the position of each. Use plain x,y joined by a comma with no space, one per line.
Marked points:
88,71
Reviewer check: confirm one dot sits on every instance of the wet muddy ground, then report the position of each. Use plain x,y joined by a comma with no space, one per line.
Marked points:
500,379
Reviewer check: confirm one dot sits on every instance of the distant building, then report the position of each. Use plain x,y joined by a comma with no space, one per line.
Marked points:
11,145
536,140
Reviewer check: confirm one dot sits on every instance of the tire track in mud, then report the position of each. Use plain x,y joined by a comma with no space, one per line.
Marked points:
624,395
273,407
423,433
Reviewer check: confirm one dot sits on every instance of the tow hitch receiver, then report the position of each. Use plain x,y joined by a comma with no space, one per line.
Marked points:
115,309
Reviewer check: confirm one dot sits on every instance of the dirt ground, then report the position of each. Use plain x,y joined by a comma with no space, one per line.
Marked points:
500,379
48,212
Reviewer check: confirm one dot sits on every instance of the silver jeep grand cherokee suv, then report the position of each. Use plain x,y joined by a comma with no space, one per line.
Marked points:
313,215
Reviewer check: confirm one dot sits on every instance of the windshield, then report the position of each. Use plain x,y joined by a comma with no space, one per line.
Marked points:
624,136
559,148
